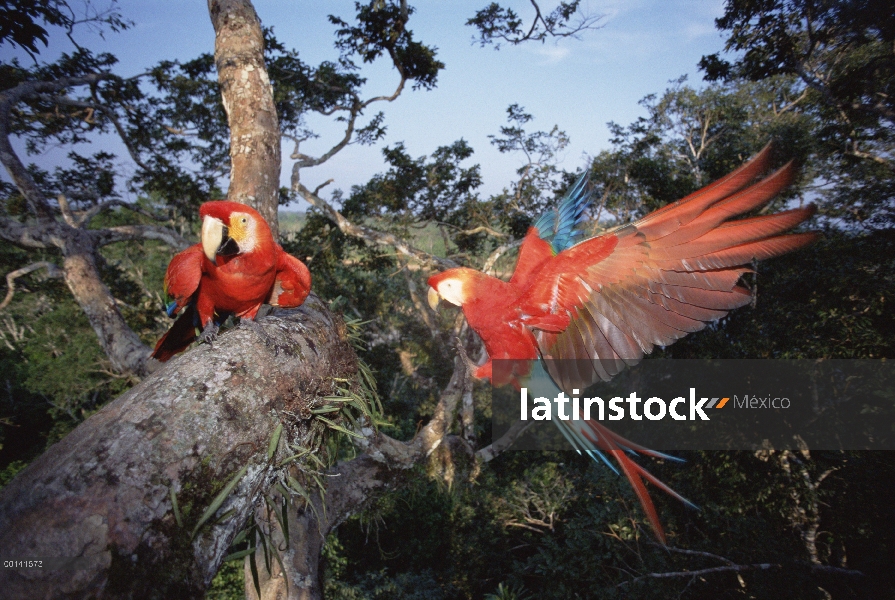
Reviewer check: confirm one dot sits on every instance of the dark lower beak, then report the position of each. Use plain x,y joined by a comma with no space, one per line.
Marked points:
228,246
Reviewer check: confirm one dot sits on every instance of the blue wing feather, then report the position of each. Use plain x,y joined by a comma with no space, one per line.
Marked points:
560,226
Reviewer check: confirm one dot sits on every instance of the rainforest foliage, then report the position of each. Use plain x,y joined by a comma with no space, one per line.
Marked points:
817,77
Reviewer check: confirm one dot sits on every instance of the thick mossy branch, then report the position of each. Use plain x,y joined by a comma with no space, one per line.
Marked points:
197,433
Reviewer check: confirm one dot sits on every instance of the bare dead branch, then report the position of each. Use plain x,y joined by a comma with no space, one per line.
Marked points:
321,186
67,215
701,572
482,229
503,442
123,233
403,455
497,253
52,271
46,235
355,110
371,235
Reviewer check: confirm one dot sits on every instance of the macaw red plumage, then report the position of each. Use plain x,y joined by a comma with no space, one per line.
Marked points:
604,302
235,268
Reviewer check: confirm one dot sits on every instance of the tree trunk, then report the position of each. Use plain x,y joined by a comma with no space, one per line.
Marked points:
251,113
104,494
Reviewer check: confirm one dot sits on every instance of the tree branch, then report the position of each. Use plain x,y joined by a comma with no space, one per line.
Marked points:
108,112
31,237
494,449
124,233
86,216
34,197
701,572
496,22
104,495
370,235
52,271
497,253
350,485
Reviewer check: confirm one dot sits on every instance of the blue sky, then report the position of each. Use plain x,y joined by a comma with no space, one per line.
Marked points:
577,84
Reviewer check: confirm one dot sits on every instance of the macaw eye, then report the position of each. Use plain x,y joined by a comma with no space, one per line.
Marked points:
244,220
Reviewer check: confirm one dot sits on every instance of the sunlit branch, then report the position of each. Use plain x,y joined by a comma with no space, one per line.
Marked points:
52,271
488,266
369,235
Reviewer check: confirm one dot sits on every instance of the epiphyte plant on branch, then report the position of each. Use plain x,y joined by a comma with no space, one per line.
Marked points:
606,301
235,268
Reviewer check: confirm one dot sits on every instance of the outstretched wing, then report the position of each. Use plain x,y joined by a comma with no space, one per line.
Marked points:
554,231
293,282
561,227
654,281
183,276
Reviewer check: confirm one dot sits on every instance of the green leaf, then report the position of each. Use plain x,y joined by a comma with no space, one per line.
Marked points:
225,515
219,500
240,554
274,441
240,537
253,567
295,485
317,460
337,427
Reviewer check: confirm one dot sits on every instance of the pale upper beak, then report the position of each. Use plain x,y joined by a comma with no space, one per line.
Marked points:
213,234
433,297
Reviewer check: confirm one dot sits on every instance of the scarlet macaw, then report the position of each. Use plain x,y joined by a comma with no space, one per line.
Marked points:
605,301
235,268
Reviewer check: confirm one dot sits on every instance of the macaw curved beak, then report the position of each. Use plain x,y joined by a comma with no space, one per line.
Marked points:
216,239
433,297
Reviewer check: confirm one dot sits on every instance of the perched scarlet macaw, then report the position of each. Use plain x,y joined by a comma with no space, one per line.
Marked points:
235,269
607,300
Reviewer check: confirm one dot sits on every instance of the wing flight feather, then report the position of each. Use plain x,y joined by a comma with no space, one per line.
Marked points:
653,281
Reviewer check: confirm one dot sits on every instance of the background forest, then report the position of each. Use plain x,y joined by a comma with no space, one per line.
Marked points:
818,77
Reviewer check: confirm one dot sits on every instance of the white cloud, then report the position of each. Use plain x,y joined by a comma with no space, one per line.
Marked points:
552,54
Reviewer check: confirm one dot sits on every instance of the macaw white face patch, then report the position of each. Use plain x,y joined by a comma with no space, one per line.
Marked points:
452,291
244,231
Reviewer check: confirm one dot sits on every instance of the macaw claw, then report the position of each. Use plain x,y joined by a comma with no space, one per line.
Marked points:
209,333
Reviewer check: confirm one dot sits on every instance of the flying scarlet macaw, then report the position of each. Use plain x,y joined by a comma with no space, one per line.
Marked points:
235,268
602,303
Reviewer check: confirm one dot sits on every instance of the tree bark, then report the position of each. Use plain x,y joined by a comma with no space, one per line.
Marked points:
251,113
104,494
350,485
123,347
